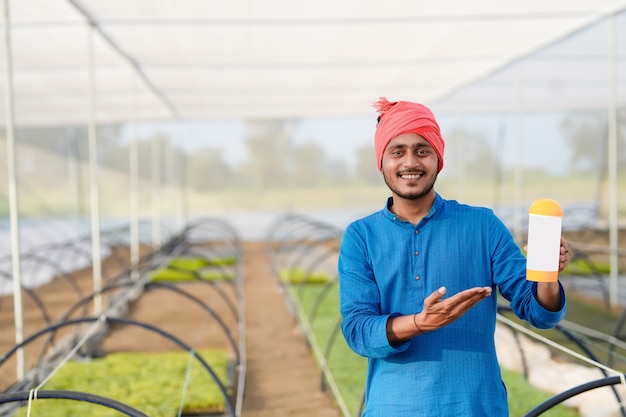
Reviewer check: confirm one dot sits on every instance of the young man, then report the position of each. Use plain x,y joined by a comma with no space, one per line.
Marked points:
418,279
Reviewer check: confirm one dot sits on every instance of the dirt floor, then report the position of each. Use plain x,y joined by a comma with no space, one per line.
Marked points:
282,376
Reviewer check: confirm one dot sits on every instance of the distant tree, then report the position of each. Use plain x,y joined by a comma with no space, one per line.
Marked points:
308,165
587,135
70,141
481,159
366,170
157,144
336,172
206,170
270,155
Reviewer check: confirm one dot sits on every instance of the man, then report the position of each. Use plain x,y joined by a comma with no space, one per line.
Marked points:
417,282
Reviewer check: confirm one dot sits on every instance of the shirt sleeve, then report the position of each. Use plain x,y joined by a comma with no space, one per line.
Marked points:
363,326
509,272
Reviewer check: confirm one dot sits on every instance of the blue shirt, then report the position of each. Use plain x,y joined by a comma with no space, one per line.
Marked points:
387,267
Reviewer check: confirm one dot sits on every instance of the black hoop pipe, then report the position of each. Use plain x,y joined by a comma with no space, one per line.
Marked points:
572,392
311,268
329,346
116,320
72,395
32,295
198,278
320,298
149,285
616,334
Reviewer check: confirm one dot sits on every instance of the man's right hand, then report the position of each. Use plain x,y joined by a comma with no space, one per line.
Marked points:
439,311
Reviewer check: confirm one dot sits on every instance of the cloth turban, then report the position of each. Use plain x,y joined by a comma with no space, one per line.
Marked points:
399,117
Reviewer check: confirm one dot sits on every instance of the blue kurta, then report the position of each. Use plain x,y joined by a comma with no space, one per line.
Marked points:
387,267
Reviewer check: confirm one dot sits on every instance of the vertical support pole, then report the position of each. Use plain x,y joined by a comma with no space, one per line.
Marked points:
133,168
518,209
96,253
156,195
18,307
612,162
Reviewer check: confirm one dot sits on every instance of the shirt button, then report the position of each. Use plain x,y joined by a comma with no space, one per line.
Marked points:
417,278
416,231
417,252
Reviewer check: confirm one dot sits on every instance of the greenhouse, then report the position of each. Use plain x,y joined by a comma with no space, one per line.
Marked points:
162,158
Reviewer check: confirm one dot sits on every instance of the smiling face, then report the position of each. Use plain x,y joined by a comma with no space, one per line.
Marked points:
409,166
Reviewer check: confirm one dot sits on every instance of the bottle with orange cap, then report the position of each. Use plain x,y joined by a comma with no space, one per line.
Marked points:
545,218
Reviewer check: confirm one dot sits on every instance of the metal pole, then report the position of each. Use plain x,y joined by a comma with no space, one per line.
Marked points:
462,158
156,196
13,209
612,163
93,170
519,160
133,168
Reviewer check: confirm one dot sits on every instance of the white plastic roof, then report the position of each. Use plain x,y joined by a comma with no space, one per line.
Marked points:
204,59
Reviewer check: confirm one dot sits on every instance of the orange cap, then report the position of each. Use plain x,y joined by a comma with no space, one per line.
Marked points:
546,207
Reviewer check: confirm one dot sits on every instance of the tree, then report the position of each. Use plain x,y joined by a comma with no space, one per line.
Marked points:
208,171
366,170
269,155
336,172
587,134
309,165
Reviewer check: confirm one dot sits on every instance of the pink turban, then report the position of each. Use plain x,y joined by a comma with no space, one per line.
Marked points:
399,117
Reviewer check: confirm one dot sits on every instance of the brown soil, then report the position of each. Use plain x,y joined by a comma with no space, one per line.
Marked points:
282,376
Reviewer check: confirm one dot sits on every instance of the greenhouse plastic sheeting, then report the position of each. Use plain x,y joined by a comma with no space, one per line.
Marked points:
204,59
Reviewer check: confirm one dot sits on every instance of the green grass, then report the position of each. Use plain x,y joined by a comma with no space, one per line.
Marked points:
585,267
149,382
349,369
523,397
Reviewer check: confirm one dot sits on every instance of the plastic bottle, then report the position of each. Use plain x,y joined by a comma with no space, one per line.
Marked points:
545,218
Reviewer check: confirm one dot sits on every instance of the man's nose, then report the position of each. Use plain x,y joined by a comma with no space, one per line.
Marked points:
411,160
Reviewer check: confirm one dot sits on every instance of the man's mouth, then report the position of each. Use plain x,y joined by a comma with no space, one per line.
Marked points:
411,176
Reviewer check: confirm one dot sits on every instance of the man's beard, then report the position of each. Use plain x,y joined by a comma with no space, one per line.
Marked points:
411,195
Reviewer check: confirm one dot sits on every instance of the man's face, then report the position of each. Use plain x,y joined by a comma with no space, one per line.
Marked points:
410,166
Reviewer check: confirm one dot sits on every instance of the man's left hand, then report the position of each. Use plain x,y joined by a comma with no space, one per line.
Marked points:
566,254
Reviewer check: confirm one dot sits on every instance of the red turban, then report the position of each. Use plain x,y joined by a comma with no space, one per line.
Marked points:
399,117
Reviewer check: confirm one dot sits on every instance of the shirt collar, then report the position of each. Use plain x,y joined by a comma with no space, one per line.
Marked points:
437,204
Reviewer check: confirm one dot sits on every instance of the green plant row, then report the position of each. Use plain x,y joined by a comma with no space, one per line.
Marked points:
190,268
300,275
153,383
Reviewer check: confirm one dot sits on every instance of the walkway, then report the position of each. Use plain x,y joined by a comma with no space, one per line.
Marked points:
283,378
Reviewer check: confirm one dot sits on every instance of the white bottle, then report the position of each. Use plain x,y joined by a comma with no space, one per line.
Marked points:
543,249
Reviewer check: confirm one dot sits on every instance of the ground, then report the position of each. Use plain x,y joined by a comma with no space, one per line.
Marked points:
282,376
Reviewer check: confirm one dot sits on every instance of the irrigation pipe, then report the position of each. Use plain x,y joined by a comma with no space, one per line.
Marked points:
557,346
114,320
71,395
595,334
611,380
241,325
321,359
161,285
